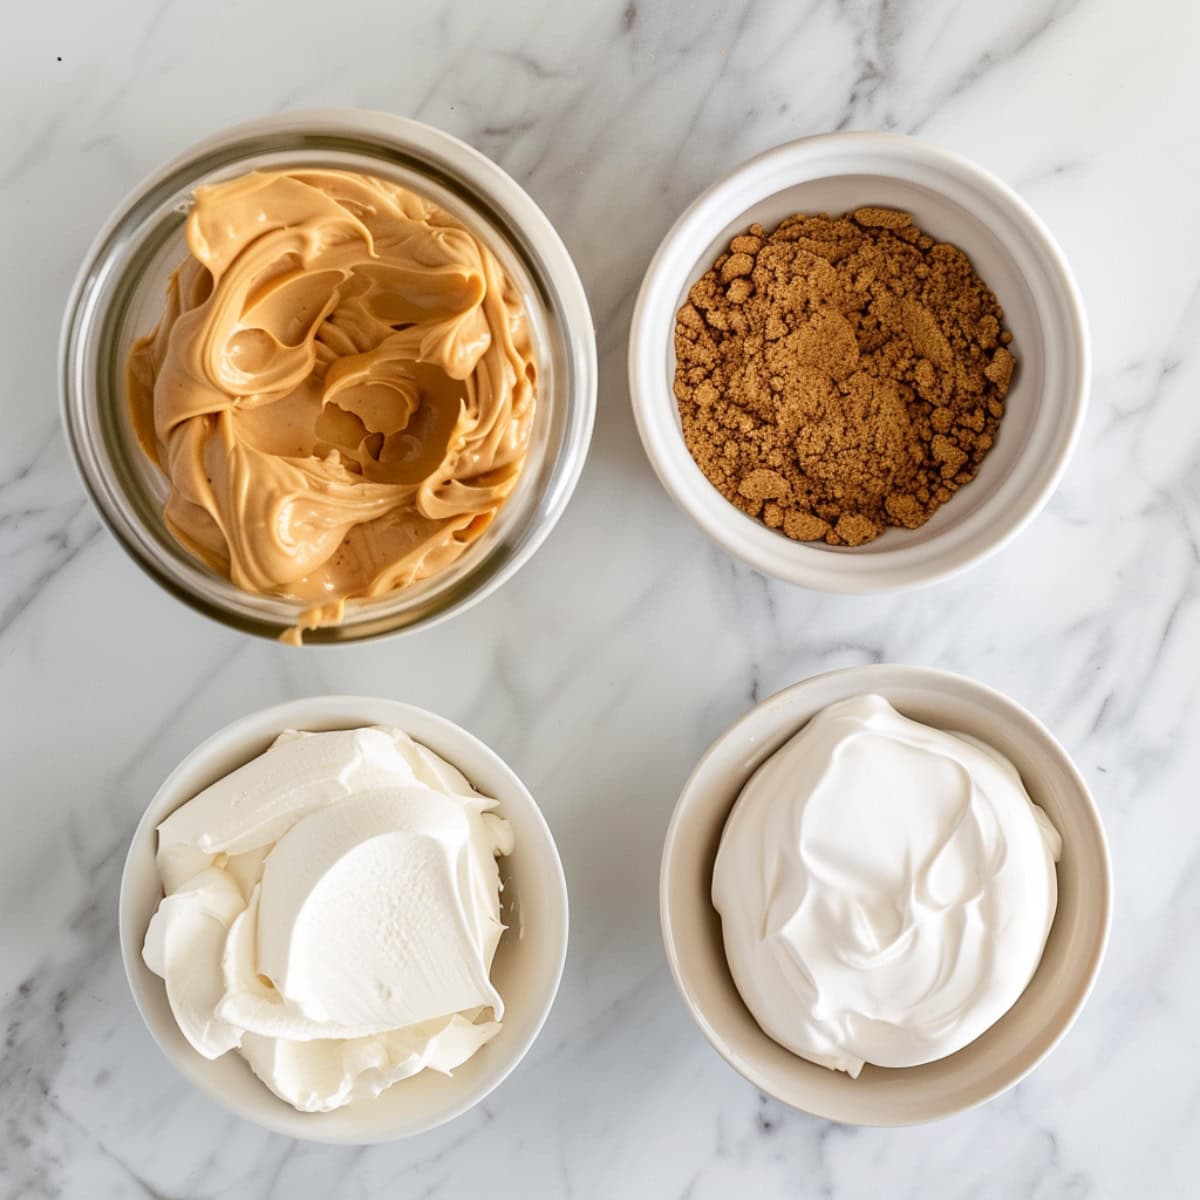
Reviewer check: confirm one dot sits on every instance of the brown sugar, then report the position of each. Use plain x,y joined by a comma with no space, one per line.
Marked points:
841,374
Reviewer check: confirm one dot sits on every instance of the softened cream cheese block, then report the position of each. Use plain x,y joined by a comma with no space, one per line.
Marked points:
331,911
885,889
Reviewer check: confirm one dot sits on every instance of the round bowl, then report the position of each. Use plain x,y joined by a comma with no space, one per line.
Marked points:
526,970
118,297
1012,1047
1013,252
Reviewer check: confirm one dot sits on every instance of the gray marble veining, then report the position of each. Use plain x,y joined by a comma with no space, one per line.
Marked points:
614,115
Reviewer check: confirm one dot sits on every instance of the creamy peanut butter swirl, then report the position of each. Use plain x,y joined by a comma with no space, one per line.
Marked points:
341,388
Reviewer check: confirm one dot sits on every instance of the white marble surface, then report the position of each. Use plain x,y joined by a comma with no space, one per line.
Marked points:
629,642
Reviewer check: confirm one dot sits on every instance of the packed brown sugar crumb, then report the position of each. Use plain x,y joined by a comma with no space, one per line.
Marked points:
841,374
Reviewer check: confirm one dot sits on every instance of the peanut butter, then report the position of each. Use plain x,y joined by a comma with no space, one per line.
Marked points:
340,391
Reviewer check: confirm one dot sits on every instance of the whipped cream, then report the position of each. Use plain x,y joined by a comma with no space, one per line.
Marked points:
331,911
885,889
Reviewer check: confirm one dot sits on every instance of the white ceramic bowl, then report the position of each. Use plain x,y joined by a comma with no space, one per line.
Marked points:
1012,251
526,970
1013,1046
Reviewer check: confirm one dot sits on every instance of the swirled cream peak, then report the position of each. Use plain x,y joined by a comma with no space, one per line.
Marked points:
885,889
340,390
331,911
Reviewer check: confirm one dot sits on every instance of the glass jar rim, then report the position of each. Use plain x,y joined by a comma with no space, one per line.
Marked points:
472,187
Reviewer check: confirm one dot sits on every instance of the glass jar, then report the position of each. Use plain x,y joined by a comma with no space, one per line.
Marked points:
119,296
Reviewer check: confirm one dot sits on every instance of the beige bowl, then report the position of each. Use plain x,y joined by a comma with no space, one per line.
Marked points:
526,970
1013,1046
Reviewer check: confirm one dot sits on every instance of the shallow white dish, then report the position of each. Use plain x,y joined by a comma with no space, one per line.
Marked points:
1013,252
526,970
1002,1055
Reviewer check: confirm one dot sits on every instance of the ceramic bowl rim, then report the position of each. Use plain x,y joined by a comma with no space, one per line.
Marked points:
327,711
797,562
858,680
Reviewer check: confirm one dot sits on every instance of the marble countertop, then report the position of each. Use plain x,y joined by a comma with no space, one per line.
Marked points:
629,642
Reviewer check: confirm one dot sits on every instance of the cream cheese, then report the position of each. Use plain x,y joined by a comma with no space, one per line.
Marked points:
331,910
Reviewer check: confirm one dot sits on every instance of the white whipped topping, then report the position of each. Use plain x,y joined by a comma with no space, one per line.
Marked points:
885,889
331,911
